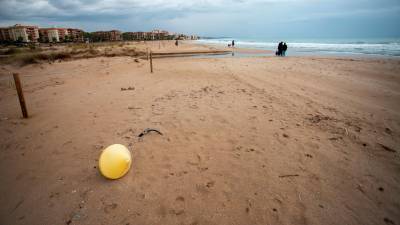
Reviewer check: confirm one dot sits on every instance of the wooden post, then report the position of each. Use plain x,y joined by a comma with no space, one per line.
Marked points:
151,61
159,39
20,94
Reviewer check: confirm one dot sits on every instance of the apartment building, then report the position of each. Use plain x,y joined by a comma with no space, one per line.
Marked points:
75,35
152,35
141,35
63,34
20,33
115,35
49,35
157,34
134,36
161,34
129,36
60,35
5,34
112,35
33,33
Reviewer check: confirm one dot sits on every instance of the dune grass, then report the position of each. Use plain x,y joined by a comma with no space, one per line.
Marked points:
26,56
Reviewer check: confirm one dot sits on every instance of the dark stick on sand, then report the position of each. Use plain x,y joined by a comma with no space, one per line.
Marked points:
148,130
289,175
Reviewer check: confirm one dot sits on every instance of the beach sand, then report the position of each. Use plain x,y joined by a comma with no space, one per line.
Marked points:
190,46
256,140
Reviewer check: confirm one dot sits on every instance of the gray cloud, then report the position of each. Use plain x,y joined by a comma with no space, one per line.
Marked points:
210,17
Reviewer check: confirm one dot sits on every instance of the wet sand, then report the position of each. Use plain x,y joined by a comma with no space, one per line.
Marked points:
260,140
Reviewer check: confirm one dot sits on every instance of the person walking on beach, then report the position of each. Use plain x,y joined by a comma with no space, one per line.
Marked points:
284,48
176,43
233,43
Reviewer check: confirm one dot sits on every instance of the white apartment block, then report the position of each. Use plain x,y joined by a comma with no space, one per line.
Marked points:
53,35
23,33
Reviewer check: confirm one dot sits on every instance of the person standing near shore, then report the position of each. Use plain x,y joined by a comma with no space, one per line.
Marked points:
284,48
233,43
280,48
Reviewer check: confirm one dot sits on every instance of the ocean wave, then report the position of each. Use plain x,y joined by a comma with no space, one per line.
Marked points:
387,48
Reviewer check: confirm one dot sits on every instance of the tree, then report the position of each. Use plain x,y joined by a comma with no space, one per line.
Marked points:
92,37
66,38
127,36
54,39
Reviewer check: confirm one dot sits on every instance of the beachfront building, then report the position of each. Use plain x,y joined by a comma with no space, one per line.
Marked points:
49,35
60,35
134,36
140,35
155,34
158,34
150,36
53,36
19,33
63,34
180,37
5,34
75,35
112,35
115,35
23,33
129,36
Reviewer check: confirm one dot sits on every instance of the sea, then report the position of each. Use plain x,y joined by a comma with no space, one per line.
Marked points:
378,47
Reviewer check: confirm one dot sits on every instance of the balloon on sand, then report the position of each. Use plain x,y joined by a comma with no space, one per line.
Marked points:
115,161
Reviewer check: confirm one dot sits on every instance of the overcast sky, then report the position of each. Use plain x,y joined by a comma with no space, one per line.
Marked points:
235,18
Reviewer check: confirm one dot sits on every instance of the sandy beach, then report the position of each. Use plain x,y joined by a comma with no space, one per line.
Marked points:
246,140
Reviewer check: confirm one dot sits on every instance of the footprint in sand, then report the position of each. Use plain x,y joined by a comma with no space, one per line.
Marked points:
109,207
210,184
205,188
250,150
180,198
178,207
308,155
388,221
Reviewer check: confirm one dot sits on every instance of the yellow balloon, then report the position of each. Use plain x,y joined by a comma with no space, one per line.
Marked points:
115,161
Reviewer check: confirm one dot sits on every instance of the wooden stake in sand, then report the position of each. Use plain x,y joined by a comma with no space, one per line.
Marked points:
20,94
151,61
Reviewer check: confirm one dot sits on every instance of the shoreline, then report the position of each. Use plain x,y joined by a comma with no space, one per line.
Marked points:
302,53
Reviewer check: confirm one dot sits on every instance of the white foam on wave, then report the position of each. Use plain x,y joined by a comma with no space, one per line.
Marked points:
380,48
